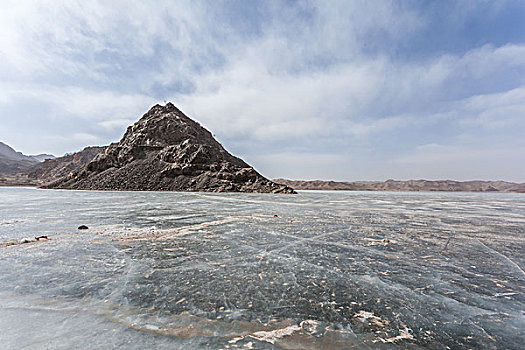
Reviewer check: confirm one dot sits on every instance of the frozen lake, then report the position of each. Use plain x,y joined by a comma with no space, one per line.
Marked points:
315,270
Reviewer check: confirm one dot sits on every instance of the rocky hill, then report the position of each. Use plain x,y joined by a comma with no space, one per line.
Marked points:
410,185
167,151
13,162
10,166
54,169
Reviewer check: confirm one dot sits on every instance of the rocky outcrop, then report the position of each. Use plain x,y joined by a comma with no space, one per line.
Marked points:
167,151
410,185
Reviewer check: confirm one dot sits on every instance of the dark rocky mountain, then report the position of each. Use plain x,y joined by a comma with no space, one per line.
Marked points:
167,151
410,185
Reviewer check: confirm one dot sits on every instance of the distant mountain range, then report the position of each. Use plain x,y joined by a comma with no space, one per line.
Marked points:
410,185
12,162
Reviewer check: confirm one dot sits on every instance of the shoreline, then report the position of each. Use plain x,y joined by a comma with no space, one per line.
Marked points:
30,185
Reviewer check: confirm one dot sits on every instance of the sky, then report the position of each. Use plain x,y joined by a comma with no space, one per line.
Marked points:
341,90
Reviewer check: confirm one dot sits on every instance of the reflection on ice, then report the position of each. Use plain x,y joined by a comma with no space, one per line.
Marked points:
331,270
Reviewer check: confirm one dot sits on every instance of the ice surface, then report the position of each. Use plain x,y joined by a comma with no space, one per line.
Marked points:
197,270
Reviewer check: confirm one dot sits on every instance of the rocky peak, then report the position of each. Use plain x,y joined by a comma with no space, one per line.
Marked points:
166,125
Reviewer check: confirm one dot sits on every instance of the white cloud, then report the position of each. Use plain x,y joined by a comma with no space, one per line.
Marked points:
496,111
85,137
76,102
117,123
356,98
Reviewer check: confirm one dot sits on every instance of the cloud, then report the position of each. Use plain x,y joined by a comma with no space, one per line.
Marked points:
496,111
86,138
77,102
116,123
352,99
63,119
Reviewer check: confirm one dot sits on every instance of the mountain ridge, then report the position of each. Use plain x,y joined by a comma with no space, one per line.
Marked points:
12,161
408,185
